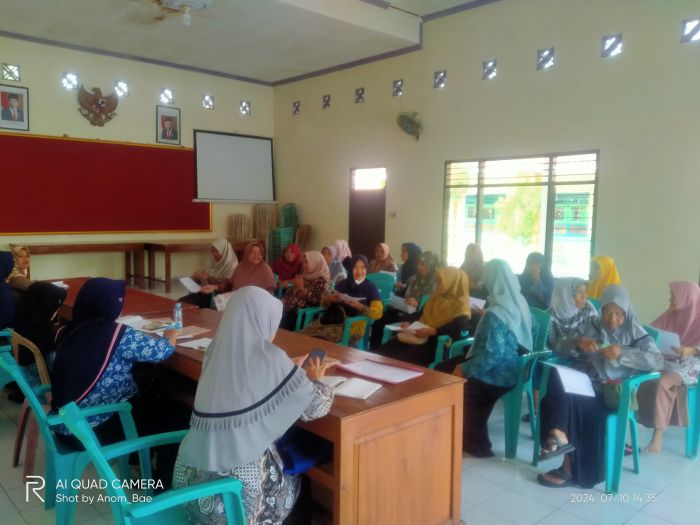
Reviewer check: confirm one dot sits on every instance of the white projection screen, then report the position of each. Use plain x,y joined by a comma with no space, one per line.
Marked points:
232,167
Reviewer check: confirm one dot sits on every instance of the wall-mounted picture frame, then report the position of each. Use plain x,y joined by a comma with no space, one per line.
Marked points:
168,125
14,102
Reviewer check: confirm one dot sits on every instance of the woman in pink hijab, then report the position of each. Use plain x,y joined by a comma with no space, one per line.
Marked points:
665,402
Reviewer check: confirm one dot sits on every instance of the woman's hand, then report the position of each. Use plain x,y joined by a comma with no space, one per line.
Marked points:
611,352
299,282
404,325
587,345
299,360
410,301
209,288
200,277
399,286
686,351
171,335
316,369
356,305
425,332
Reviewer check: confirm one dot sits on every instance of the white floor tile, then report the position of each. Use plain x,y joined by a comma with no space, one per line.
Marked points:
517,507
599,512
678,510
480,516
10,477
476,490
646,519
20,500
653,478
561,517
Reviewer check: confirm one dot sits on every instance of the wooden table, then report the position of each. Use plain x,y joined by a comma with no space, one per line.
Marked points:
169,247
135,249
136,302
397,455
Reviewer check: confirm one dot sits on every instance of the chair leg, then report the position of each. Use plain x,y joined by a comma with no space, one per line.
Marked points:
692,432
634,439
511,405
30,450
19,434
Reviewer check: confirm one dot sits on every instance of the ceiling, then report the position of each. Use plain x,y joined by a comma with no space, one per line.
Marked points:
267,41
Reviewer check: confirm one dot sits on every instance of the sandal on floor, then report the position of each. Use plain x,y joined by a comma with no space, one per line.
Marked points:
560,473
525,418
561,448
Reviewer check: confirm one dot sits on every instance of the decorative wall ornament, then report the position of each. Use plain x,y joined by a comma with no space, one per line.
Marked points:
410,123
95,107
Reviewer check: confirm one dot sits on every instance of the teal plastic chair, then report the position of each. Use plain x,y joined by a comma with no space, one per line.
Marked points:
423,302
512,401
384,283
306,315
63,463
443,349
5,336
166,508
653,332
692,433
595,302
616,427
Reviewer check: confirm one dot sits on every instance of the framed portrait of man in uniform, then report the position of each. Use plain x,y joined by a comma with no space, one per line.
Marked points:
168,125
14,107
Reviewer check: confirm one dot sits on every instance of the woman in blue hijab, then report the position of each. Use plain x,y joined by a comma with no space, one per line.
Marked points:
536,281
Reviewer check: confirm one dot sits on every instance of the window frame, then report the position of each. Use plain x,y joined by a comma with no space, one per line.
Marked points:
551,185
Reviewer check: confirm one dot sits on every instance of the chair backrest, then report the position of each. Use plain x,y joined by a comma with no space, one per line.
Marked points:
384,283
653,332
543,320
595,302
19,340
423,301
8,363
289,217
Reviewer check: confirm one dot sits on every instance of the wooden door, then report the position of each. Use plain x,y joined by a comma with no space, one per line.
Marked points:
367,211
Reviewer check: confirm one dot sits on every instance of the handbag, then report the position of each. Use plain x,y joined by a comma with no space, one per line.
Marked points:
334,314
611,394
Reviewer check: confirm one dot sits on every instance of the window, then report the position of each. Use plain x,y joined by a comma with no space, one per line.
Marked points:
397,88
11,72
208,102
244,107
440,79
691,30
545,58
166,96
359,95
489,70
368,178
69,81
512,207
121,88
612,45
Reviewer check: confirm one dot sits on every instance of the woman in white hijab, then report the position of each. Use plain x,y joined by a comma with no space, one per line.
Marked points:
570,311
215,275
249,394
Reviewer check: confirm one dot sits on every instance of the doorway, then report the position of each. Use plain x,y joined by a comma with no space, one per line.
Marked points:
367,209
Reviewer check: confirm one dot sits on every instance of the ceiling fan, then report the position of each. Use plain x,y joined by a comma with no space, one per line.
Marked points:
175,7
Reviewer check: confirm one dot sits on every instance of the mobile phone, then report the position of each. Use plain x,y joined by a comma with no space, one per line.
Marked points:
315,353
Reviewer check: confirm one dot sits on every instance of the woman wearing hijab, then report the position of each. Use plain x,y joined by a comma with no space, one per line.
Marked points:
335,267
19,277
492,361
410,252
217,272
251,271
447,312
665,402
7,300
382,262
35,322
536,281
288,266
570,312
612,348
473,266
95,355
344,254
308,288
248,395
602,274
353,296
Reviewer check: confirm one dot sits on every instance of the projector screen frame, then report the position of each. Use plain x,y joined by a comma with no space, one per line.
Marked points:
246,201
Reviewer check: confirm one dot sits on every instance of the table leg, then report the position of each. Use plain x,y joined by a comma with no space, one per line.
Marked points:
139,264
127,267
167,271
151,267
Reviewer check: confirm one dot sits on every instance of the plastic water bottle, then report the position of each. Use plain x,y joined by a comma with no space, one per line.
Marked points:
177,316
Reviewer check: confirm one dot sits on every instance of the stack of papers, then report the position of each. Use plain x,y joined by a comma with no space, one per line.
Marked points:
380,371
351,387
198,344
415,325
189,283
399,303
573,381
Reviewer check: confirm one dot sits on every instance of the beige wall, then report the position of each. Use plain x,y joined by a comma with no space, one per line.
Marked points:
640,110
54,111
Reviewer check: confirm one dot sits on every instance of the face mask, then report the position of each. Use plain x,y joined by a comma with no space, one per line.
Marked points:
359,282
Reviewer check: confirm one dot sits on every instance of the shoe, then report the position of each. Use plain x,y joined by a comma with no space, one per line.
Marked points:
561,448
559,473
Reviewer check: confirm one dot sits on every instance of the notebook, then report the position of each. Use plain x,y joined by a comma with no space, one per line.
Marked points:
351,387
198,344
380,371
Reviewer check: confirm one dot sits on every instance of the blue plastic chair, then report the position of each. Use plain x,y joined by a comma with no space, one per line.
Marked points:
384,283
61,462
166,508
616,427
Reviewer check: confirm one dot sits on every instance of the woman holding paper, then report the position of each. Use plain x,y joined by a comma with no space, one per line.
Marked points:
353,296
308,287
492,361
213,276
447,312
248,395
382,262
665,402
570,311
251,271
613,347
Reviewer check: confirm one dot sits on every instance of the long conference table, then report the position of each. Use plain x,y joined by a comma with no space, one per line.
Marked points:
397,456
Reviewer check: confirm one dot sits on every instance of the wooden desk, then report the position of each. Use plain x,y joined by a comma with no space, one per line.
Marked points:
136,302
128,248
397,455
169,247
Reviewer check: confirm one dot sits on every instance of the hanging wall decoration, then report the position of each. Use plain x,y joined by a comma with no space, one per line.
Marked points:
96,108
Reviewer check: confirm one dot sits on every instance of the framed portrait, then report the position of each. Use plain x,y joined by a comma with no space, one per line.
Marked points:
14,102
168,125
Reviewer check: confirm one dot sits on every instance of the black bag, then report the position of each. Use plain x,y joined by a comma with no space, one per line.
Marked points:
334,314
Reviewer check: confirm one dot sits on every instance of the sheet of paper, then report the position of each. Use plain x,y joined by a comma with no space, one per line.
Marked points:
573,381
197,344
189,283
415,325
477,303
347,298
357,388
667,342
187,332
134,321
221,300
333,381
399,303
60,284
380,371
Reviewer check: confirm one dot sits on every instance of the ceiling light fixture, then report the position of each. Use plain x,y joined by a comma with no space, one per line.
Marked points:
186,7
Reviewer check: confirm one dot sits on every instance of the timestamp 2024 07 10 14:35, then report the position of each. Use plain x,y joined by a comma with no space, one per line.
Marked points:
621,497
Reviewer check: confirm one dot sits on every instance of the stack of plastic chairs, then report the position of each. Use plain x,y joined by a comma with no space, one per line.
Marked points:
289,217
264,220
277,240
240,227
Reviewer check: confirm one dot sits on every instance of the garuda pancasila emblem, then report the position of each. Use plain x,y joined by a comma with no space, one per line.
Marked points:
95,107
